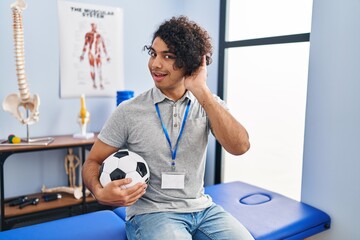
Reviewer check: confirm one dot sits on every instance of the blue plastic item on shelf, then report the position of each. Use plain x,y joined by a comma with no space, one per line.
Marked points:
123,95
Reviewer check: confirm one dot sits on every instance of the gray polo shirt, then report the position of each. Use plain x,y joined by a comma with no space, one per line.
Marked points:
135,125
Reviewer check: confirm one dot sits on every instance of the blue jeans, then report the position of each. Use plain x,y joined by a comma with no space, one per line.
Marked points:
209,224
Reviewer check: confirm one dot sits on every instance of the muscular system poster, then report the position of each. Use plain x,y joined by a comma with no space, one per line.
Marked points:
91,49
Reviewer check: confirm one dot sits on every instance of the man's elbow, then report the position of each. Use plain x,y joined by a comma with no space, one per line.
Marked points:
240,148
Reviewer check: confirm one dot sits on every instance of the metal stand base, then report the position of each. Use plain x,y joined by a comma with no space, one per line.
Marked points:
36,141
29,141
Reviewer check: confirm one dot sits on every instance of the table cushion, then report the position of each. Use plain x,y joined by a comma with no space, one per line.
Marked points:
268,215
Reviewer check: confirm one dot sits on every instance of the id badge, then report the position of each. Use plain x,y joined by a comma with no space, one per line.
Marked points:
172,180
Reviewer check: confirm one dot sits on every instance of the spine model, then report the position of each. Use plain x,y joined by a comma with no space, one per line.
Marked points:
14,103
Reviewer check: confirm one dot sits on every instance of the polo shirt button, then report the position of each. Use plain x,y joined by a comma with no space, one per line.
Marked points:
175,115
175,125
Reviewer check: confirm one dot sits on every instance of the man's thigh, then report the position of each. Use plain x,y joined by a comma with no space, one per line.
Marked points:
157,226
219,224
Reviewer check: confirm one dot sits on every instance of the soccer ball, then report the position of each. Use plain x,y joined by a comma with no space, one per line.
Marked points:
124,164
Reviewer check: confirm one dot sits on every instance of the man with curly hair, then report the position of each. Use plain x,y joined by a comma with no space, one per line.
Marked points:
168,126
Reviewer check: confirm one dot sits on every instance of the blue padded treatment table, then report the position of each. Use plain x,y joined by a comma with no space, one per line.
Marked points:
267,215
99,225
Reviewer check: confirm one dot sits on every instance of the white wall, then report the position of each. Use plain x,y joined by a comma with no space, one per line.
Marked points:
58,116
331,168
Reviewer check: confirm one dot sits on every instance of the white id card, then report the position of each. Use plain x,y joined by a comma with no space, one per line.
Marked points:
172,180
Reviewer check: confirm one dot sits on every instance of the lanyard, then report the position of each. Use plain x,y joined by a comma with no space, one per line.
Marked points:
173,151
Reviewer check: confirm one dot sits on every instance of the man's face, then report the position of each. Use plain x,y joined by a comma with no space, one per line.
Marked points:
161,65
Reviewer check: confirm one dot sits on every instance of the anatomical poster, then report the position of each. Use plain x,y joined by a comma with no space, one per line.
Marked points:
91,49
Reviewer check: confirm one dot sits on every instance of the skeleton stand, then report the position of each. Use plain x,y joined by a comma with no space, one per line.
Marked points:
29,141
35,141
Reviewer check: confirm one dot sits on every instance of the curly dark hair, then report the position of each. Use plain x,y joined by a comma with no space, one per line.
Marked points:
187,40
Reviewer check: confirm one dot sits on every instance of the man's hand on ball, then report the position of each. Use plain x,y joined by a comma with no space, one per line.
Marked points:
114,193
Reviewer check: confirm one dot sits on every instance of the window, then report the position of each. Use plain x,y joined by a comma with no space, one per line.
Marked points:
251,19
265,67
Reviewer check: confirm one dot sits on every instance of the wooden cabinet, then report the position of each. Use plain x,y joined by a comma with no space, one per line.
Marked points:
68,205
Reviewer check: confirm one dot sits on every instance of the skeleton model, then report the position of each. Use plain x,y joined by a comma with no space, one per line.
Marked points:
14,102
77,191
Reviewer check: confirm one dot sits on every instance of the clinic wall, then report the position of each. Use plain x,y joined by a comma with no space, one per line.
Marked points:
331,169
58,116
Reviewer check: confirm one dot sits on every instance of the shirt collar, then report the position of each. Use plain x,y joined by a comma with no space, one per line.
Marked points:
159,96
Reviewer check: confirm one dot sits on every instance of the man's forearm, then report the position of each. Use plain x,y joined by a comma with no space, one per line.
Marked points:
90,175
227,130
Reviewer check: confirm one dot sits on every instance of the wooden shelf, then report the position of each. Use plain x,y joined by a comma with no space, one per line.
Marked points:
65,201
68,205
63,141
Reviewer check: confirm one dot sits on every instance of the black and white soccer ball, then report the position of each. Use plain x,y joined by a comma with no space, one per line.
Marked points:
124,164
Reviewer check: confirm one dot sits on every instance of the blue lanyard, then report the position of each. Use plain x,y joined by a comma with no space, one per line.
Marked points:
173,151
